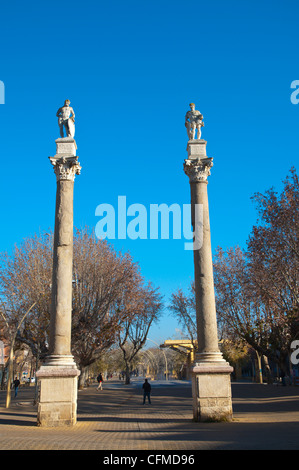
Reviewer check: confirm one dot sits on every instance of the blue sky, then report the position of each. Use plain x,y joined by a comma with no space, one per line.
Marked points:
130,70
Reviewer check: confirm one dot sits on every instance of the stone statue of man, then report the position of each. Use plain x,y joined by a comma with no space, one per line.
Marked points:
66,119
193,122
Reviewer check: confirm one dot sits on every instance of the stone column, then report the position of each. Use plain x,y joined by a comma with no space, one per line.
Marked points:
211,388
58,377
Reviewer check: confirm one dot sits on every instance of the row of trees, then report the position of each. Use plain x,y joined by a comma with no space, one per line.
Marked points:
112,303
154,361
257,294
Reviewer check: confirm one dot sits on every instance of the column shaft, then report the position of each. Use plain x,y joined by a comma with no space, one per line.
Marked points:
61,309
203,269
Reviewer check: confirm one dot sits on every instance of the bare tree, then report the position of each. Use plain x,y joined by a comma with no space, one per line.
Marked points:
273,253
140,307
183,308
257,289
25,279
101,276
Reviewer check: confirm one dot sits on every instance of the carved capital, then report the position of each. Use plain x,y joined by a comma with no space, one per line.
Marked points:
66,168
198,170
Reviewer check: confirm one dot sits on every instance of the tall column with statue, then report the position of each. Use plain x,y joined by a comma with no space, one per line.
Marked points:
211,387
58,376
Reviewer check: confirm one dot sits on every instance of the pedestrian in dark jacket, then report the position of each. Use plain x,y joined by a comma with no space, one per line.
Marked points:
100,380
16,384
146,391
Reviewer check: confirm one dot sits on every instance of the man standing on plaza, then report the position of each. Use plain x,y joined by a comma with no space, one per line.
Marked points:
146,391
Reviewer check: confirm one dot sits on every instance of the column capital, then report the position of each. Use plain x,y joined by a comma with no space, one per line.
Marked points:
65,168
198,169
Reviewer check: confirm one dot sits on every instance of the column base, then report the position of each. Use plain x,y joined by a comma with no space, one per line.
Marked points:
58,387
211,388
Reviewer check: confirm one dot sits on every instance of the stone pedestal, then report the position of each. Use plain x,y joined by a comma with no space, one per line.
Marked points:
58,376
57,396
210,372
211,391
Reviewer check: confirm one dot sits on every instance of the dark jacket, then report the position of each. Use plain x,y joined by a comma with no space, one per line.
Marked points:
146,387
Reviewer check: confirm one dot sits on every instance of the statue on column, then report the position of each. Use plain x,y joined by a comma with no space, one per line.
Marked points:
193,122
66,120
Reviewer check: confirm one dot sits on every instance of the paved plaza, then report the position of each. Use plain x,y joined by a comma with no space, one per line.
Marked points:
265,417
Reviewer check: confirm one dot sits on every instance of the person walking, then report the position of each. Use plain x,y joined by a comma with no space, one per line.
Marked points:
16,384
146,391
100,380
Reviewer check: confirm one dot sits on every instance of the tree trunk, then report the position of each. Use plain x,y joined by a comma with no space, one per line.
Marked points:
268,370
127,374
82,377
10,375
3,377
253,369
259,373
36,397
